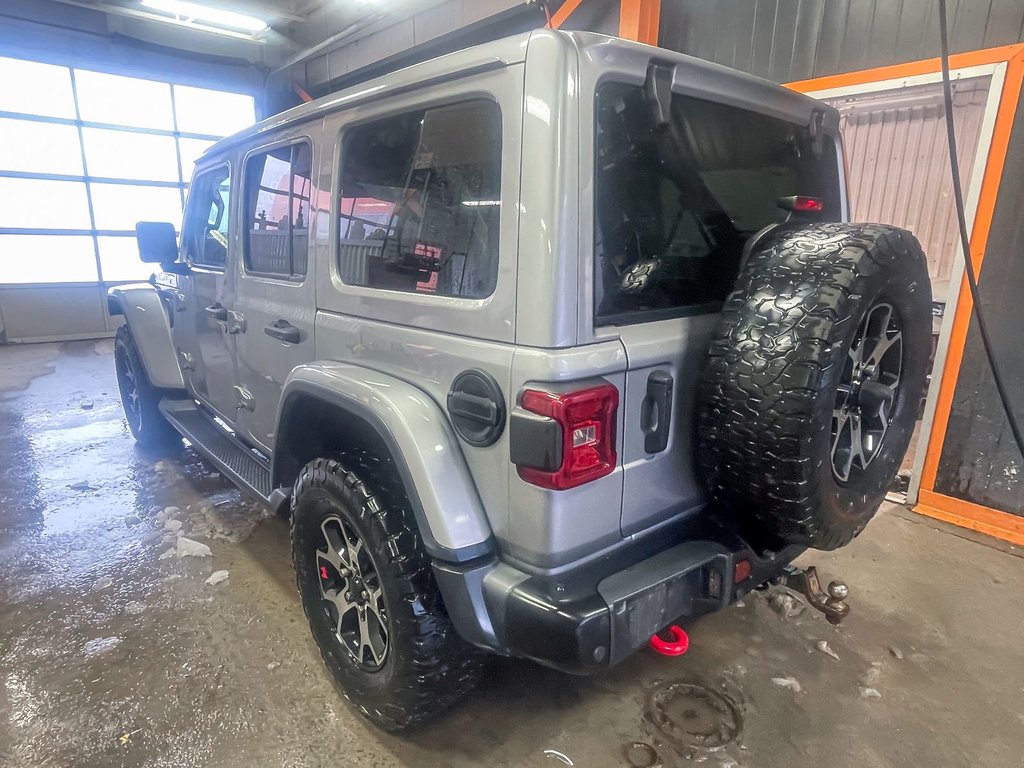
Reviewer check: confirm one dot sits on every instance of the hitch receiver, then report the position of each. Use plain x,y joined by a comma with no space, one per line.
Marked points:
805,581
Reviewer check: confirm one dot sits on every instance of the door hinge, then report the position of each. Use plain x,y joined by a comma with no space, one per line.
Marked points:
245,399
236,322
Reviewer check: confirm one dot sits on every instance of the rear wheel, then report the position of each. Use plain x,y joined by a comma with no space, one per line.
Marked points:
811,391
140,399
372,602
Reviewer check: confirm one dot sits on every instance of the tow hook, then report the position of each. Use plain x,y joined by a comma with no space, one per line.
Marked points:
677,646
805,581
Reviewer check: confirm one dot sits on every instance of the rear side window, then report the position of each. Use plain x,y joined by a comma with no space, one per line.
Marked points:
277,192
421,200
674,207
205,231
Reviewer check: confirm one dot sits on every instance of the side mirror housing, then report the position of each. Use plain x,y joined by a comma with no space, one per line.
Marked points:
157,242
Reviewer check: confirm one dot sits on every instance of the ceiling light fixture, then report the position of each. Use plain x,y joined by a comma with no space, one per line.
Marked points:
184,10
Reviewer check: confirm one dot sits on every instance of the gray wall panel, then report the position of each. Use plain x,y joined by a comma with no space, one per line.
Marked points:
786,40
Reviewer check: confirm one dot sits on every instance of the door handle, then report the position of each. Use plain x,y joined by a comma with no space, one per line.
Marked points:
217,312
656,412
284,331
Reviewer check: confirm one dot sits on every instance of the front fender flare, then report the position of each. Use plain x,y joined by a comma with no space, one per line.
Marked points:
144,313
444,499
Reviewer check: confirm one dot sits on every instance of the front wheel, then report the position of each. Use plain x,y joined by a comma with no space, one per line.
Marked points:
140,399
373,605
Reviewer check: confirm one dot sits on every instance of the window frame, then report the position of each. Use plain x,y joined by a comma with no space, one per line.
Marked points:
199,266
608,322
290,141
337,171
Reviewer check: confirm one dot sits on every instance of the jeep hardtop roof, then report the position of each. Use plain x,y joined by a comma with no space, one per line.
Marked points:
587,46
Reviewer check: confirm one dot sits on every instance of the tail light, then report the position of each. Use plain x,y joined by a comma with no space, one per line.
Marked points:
802,204
583,427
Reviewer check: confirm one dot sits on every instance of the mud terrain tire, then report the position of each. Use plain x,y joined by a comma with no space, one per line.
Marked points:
792,380
426,666
141,400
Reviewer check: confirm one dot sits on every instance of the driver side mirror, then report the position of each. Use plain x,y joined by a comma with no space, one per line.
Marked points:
157,241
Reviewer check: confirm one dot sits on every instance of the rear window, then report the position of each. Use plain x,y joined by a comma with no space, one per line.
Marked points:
674,207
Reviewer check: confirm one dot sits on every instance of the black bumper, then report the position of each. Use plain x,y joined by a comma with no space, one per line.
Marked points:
583,630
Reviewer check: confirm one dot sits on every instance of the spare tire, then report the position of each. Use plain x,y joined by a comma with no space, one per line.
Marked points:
815,371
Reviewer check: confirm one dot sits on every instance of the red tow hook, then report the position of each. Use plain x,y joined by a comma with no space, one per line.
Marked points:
677,646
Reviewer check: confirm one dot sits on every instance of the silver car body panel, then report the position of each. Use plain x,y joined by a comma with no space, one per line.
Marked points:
426,363
259,301
141,306
443,494
492,318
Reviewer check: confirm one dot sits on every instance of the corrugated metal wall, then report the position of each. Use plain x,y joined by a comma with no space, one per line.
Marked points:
899,163
787,40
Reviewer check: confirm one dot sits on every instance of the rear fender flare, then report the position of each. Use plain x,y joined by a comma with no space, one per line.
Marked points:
143,311
448,511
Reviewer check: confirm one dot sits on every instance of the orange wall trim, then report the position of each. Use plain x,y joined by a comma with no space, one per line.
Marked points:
558,17
974,516
992,522
639,20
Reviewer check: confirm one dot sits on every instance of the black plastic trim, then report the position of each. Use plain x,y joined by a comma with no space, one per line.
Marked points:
534,441
585,621
476,407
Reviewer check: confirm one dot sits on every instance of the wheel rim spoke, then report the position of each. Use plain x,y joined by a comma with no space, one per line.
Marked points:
352,595
343,607
867,392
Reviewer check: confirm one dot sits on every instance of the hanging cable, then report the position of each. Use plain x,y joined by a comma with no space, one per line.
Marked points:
965,244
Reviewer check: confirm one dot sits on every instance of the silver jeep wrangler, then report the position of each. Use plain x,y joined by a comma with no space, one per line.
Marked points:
544,345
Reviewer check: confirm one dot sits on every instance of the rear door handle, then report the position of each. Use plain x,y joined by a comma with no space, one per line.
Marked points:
217,312
284,331
656,411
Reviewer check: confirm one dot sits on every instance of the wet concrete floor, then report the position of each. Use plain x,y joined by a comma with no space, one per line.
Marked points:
113,656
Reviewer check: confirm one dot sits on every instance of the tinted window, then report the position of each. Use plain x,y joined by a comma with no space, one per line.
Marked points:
676,205
278,185
205,232
421,200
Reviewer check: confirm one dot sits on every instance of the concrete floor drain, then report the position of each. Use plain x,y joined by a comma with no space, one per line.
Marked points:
693,714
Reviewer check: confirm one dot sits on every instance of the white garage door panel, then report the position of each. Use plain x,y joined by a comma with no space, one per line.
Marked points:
79,167
46,313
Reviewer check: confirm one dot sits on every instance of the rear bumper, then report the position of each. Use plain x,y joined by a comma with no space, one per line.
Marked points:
588,621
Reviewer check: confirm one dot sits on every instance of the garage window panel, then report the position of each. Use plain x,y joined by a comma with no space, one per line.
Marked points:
122,206
47,259
43,204
33,147
127,155
36,89
191,150
119,259
217,113
129,101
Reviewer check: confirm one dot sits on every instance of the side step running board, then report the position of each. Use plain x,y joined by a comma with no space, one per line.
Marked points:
243,466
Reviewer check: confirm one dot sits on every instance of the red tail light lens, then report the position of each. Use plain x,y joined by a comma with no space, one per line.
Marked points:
587,419
812,204
802,204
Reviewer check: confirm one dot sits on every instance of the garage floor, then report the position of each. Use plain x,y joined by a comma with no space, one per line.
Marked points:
113,655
